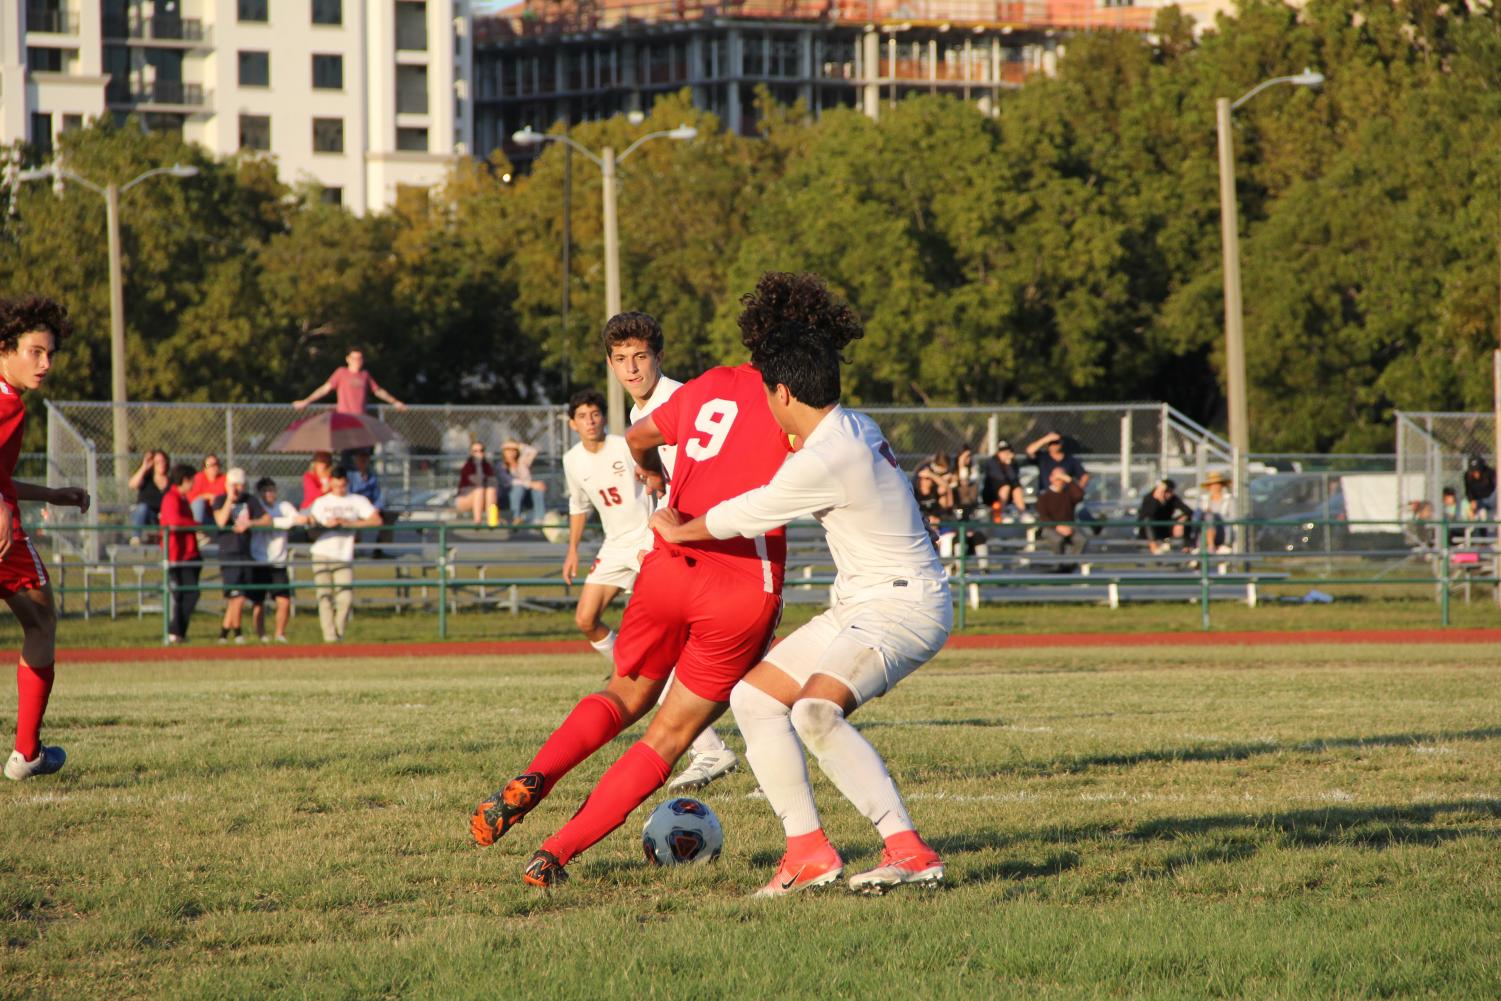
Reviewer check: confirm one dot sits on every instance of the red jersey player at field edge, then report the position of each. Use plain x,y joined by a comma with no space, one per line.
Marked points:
708,609
31,329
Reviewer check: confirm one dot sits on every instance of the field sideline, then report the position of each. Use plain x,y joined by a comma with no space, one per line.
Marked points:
1295,822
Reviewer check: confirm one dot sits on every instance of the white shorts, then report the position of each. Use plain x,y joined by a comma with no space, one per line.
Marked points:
873,642
617,564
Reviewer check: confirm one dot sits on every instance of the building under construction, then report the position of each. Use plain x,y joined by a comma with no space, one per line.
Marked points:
545,61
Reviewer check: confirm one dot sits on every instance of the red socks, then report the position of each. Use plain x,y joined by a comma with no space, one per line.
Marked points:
635,775
33,685
594,722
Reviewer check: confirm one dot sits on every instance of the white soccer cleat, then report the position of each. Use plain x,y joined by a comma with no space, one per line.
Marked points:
898,869
793,877
703,769
47,761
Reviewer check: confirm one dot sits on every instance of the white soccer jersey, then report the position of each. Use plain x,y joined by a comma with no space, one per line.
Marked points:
665,387
846,477
606,480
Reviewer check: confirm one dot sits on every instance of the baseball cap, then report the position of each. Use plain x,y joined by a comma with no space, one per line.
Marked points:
1004,446
235,475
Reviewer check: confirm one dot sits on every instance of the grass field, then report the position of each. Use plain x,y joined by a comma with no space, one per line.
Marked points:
1288,823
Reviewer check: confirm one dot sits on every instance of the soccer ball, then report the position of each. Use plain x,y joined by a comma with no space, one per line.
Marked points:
682,830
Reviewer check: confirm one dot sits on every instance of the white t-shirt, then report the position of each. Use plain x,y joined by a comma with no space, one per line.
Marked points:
664,388
846,477
338,543
271,547
606,480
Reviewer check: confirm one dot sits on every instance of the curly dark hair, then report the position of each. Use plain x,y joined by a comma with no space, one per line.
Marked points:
796,331
624,327
585,398
31,313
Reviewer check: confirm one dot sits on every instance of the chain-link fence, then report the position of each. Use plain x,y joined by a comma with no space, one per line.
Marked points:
1125,446
1432,449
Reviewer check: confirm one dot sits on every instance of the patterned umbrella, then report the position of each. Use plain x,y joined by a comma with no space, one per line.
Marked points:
332,431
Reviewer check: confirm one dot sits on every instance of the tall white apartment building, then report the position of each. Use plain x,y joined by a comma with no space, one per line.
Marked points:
359,97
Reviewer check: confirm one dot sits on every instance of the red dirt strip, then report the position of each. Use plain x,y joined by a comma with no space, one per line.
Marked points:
991,641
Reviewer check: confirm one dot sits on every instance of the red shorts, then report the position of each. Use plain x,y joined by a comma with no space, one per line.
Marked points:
712,625
21,569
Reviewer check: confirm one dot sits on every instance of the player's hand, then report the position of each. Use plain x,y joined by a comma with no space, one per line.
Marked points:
665,523
71,497
571,566
655,483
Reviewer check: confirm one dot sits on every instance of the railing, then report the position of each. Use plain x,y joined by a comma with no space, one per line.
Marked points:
458,565
51,21
156,29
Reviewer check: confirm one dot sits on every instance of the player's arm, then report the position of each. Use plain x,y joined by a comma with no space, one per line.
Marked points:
644,438
576,524
803,485
60,496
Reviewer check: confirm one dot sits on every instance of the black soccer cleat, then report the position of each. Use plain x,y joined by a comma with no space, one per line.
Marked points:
545,870
503,811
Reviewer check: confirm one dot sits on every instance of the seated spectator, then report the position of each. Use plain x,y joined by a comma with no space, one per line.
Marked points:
150,482
1216,507
1057,505
1003,492
1164,519
1480,489
315,480
1454,516
517,459
936,486
208,487
967,479
364,482
478,484
1049,451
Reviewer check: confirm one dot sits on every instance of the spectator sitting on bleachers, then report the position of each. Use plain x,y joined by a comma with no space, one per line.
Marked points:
1216,506
517,459
479,485
315,480
1480,489
207,488
1163,519
1003,492
1060,503
967,478
151,483
1049,451
935,484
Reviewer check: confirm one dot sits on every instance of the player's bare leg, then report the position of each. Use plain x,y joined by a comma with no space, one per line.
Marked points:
711,759
37,615
593,600
634,776
594,722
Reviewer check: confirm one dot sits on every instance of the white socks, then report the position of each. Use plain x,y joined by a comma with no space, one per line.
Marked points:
776,757
848,760
606,646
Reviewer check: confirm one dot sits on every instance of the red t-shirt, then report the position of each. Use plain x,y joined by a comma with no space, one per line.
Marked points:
312,489
12,430
176,511
352,389
204,486
727,443
469,476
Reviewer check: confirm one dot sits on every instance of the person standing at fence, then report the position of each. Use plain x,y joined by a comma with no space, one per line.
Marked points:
269,551
337,513
151,483
31,329
352,386
235,513
184,562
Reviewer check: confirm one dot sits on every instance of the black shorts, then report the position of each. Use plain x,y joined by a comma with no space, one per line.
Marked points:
234,579
274,583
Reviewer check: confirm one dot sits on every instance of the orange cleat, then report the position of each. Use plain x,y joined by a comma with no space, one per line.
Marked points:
545,871
804,874
503,811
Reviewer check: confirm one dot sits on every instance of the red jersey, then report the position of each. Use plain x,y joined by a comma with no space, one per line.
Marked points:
12,430
727,443
176,512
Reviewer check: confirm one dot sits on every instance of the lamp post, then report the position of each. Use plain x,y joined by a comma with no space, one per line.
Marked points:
606,161
111,193
1235,346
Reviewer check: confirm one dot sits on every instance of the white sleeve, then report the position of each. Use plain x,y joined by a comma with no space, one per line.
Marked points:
802,486
578,496
285,515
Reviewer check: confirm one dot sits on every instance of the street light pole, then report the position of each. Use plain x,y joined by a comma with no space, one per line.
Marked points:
1235,346
111,193
606,163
